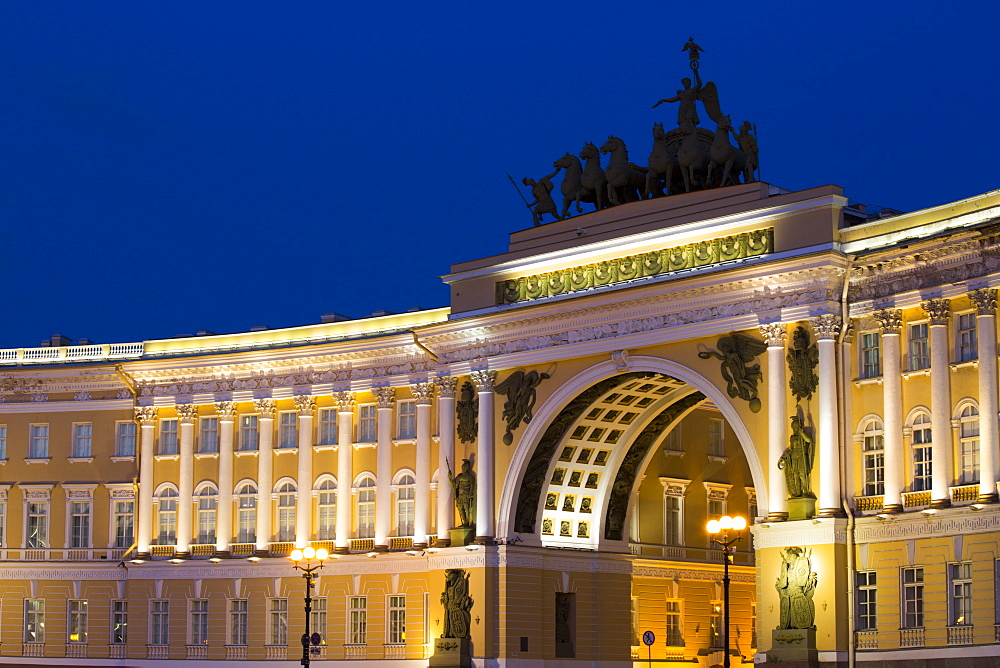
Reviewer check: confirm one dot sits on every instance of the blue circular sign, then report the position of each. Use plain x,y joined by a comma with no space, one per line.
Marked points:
648,637
315,639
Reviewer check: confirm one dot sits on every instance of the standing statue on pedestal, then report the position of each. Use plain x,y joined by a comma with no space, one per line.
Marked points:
464,485
797,461
688,96
748,144
542,192
796,585
457,604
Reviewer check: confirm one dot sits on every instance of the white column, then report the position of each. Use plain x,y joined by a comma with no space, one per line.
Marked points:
146,417
985,300
777,490
891,322
446,453
265,471
422,501
938,310
485,522
826,328
384,397
304,482
226,410
345,474
187,414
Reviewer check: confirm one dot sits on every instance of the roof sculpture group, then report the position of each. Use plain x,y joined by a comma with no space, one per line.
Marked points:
684,159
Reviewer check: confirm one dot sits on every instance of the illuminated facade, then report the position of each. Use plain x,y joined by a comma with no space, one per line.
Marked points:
152,491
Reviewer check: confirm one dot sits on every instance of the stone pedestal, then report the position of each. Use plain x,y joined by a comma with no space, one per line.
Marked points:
463,535
564,650
801,508
793,645
451,653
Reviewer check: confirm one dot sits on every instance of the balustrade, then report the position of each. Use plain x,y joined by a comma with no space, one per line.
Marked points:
960,635
866,639
911,637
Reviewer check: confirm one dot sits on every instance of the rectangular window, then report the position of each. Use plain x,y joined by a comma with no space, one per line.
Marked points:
124,523
38,441
238,621
199,622
82,439
913,598
366,424
317,618
672,520
208,436
673,441
119,622
327,426
80,524
278,627
125,439
715,626
34,621
77,621
37,529
871,366
3,522
159,612
168,437
966,337
674,633
3,441
397,620
960,605
920,355
287,433
358,614
716,434
407,419
249,433
867,616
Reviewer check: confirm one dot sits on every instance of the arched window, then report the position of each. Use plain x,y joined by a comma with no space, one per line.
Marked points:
207,500
366,507
873,457
286,512
406,492
968,437
166,518
326,510
921,441
246,513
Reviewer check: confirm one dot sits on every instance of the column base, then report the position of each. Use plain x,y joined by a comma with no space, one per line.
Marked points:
341,550
483,540
182,555
420,546
441,542
776,517
380,548
937,504
261,553
892,508
145,556
988,498
831,512
222,554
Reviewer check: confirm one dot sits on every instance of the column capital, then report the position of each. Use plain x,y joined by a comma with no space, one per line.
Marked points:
826,326
447,385
422,392
938,310
890,320
384,396
187,413
774,333
345,401
265,407
484,380
145,415
305,404
226,410
985,300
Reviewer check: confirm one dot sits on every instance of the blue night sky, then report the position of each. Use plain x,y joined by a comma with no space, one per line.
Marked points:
168,167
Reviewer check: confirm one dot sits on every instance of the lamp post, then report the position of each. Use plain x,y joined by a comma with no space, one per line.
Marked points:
313,561
730,531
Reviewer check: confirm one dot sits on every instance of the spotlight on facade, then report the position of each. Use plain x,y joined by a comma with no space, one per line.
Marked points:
471,548
372,555
254,559
928,511
978,506
215,560
138,561
176,561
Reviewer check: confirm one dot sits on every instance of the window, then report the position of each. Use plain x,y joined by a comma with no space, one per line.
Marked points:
77,622
327,426
366,424
82,438
199,622
158,616
406,492
922,465
3,521
37,528
966,337
124,523
207,502
397,620
3,441
246,500
968,436
673,440
326,510
168,437
278,627
286,513
871,366
358,608
249,433
34,621
125,439
913,598
920,356
715,626
38,441
674,632
167,517
119,622
407,419
366,507
673,520
286,429
238,621
960,604
867,616
208,438
79,536
874,459
716,434
317,618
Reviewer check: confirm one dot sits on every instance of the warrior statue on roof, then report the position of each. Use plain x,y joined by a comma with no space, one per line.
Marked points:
689,95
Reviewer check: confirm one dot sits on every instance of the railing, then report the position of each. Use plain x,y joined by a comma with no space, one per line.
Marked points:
916,499
355,651
911,637
79,555
200,550
236,652
327,545
117,651
70,353
394,651
960,635
281,549
196,651
36,555
964,493
157,651
77,650
359,545
35,649
162,550
401,543
866,639
276,652
242,549
866,504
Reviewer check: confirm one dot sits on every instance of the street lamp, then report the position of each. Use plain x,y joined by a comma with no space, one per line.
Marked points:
730,531
313,561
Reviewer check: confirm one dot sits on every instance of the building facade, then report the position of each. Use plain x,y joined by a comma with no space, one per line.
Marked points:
613,381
